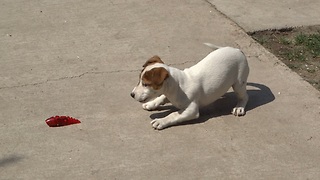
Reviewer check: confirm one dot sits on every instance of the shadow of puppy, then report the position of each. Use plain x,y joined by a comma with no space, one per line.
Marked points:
259,96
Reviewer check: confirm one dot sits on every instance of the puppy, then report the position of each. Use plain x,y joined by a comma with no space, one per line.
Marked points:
194,87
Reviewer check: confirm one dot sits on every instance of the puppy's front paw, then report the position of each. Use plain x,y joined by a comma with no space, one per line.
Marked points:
159,124
238,111
149,106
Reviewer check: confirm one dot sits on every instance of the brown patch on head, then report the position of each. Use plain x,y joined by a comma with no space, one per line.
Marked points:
153,60
155,77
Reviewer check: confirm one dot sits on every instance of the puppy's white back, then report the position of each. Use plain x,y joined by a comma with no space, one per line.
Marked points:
216,73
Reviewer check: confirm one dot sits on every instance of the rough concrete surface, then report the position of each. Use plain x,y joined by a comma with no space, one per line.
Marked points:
255,15
82,59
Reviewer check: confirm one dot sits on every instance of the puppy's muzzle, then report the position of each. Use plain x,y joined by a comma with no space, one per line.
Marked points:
133,95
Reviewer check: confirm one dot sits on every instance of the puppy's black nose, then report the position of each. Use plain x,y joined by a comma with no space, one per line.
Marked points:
132,94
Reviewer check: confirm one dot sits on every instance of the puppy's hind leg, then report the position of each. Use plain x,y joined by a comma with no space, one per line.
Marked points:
241,92
155,103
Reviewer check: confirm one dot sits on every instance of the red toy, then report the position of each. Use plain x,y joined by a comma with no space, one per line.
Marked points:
56,121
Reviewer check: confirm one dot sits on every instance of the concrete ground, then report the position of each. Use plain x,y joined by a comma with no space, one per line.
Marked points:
253,15
82,59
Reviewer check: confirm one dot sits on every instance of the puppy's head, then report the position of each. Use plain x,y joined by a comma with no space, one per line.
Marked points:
151,80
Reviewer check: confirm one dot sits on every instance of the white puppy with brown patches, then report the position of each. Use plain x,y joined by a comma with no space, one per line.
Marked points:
194,87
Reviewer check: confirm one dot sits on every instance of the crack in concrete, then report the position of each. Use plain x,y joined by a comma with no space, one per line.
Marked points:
64,78
81,75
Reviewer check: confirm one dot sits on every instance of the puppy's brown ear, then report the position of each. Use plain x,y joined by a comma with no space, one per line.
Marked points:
153,60
155,77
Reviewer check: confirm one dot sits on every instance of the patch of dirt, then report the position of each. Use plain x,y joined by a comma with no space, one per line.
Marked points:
298,48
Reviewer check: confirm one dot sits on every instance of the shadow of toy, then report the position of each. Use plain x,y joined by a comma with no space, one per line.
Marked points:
258,96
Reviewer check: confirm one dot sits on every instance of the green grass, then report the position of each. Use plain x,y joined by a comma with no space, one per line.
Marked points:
284,41
299,49
310,42
294,55
302,46
262,40
300,39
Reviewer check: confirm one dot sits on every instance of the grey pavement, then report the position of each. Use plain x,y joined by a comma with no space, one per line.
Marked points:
82,59
256,15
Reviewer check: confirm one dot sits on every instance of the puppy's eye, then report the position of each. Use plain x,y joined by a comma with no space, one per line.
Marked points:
145,84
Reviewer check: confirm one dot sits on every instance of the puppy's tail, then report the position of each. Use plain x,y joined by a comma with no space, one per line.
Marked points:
213,46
